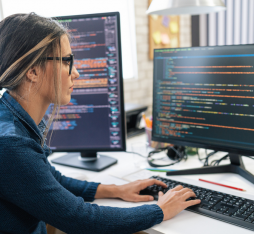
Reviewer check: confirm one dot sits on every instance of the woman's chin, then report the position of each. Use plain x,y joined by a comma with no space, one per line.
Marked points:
66,100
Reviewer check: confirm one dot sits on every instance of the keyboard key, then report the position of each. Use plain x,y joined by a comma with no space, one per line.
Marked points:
242,209
247,213
238,216
214,208
214,199
207,207
205,202
232,210
252,215
249,219
229,212
222,210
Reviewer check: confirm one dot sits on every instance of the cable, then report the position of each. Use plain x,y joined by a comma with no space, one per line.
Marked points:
217,162
129,152
200,159
206,163
181,155
184,156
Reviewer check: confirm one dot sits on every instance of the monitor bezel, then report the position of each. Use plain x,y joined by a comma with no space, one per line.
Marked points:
121,94
195,143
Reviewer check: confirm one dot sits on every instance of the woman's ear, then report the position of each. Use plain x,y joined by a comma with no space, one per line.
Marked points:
33,74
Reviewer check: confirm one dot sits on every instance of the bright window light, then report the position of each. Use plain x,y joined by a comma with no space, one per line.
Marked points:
49,8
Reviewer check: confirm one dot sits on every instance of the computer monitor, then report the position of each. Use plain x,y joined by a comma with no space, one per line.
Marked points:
203,97
94,120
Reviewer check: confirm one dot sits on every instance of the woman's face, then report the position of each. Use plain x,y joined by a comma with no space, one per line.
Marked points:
67,80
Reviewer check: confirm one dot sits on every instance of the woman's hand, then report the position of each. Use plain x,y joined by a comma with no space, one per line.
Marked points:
174,201
130,192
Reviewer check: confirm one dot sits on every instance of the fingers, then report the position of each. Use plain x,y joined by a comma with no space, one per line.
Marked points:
188,194
181,190
149,182
158,182
143,198
160,194
192,203
177,188
185,190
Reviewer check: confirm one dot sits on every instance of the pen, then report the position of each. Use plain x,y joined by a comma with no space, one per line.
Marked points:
159,170
222,185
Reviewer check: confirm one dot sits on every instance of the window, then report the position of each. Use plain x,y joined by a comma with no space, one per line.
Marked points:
51,8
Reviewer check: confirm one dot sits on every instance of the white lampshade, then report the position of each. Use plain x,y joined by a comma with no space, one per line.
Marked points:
191,7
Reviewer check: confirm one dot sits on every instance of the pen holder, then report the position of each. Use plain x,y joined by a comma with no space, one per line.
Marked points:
154,144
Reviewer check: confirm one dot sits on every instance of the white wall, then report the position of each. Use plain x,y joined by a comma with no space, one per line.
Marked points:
140,90
1,11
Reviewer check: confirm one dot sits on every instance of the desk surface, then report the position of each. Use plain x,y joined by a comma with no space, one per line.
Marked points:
193,223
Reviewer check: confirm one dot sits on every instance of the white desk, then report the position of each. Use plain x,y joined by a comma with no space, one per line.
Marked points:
185,222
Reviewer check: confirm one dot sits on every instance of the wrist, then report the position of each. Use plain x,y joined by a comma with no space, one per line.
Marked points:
118,192
107,191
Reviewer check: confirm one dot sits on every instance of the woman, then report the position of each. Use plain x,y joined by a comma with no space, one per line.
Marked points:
36,68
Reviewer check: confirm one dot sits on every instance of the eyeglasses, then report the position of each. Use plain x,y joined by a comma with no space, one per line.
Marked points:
71,59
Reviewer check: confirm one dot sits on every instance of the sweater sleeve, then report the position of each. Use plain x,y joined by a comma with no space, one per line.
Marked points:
27,182
84,189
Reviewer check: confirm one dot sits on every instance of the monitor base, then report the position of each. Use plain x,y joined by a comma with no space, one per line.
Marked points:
73,160
236,167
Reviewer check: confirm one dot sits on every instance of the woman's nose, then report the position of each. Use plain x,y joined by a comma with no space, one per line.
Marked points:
74,73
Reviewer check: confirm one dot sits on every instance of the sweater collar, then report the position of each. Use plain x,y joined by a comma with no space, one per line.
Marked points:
19,111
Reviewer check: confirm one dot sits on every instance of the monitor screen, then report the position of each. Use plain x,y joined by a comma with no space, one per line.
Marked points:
94,118
204,97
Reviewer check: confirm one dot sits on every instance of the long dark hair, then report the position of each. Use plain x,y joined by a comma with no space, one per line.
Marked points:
25,41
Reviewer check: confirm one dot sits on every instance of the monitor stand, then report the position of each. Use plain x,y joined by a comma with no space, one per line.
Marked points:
236,166
88,161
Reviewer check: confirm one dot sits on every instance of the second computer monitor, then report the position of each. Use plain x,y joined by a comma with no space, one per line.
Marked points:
94,119
204,97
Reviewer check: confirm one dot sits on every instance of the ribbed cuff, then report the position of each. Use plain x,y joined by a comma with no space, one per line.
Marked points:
89,193
159,213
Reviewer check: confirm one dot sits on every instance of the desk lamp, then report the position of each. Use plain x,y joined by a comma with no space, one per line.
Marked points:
178,7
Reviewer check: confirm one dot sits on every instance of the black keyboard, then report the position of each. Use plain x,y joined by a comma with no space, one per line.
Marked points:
221,206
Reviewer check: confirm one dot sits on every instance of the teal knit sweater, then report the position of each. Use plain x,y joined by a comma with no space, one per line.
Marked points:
33,193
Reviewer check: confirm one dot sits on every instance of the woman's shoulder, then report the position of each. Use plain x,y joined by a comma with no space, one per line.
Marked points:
10,124
13,142
6,121
17,150
13,134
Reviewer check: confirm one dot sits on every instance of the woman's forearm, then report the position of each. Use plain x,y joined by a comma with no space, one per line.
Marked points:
107,191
